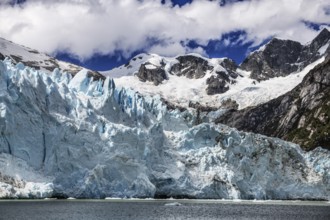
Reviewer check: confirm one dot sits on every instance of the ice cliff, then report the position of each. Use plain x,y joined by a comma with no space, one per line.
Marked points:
77,137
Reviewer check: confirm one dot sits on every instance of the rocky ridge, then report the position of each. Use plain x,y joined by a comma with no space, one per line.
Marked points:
38,60
192,67
282,57
301,115
266,74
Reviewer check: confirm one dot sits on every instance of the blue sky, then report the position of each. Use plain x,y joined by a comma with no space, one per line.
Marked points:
214,49
101,34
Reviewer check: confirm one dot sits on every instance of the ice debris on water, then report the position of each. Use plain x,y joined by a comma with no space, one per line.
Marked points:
173,204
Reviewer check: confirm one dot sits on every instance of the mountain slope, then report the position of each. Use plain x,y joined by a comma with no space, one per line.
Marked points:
179,80
185,81
301,115
192,80
37,60
282,57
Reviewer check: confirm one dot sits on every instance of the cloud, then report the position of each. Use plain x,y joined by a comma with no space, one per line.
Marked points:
86,27
174,49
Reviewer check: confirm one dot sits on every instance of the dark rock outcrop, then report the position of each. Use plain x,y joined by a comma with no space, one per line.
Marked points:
301,115
275,60
219,84
172,106
282,57
38,60
155,75
201,108
2,57
310,51
229,104
190,66
96,75
230,66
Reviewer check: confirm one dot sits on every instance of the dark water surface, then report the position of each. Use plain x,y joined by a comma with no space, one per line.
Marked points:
161,209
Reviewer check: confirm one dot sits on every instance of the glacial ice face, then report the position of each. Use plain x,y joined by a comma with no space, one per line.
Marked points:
19,180
83,138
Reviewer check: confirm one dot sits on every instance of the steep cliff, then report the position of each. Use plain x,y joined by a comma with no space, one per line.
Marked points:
301,115
282,57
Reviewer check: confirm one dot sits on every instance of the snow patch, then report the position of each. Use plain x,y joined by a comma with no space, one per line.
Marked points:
245,91
324,48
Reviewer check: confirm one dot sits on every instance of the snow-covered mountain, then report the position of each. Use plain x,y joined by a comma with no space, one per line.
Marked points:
40,61
211,87
75,137
187,80
301,115
283,57
150,131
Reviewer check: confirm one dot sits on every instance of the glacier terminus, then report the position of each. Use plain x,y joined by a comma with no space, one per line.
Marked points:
73,136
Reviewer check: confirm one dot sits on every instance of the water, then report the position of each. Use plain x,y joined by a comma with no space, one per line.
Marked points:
161,209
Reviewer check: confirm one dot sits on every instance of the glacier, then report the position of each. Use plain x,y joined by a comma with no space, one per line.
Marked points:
182,91
83,138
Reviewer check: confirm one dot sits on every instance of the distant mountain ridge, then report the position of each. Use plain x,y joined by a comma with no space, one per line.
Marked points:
190,79
38,60
282,57
301,115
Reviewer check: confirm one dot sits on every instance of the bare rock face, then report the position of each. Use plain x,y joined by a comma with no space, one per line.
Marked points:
276,60
155,74
310,51
301,116
229,104
219,84
282,57
39,61
190,66
230,66
96,75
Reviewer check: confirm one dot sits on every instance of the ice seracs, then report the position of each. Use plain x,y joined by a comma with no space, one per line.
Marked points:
83,138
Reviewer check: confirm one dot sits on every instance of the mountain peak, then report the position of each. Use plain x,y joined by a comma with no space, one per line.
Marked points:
281,57
38,60
321,39
324,32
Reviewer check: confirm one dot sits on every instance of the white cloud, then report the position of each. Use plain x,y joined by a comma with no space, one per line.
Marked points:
169,50
86,27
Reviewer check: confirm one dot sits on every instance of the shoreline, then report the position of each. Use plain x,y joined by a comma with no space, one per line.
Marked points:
180,201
